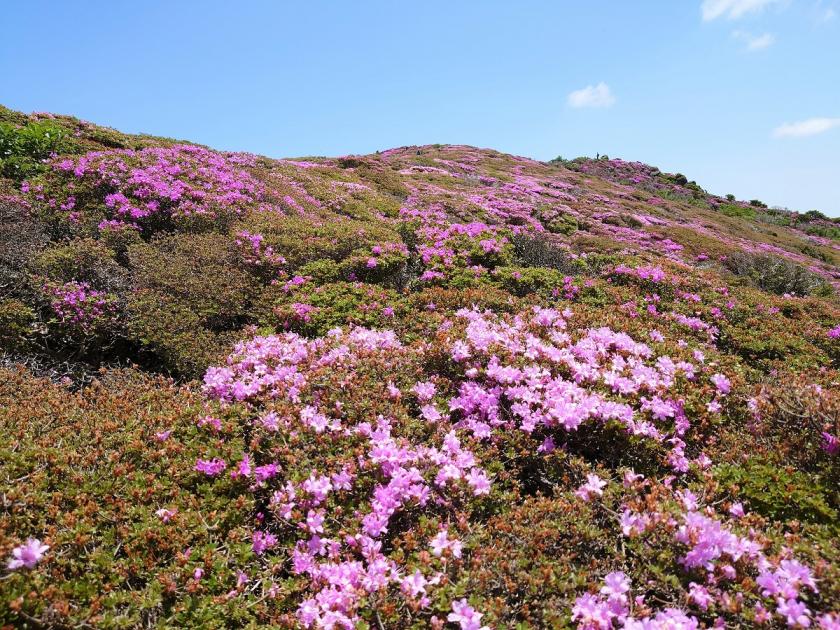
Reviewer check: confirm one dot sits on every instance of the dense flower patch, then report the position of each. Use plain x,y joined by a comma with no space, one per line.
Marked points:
135,189
531,375
77,304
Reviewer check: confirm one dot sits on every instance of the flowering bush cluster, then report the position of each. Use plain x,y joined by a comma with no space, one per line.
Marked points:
530,374
139,189
434,387
78,305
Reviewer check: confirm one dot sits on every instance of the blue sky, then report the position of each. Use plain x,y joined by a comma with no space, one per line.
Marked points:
741,95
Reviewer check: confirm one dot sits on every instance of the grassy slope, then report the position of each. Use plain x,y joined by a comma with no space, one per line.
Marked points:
83,399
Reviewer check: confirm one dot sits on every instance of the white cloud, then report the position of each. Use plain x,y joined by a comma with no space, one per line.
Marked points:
803,128
732,9
592,96
823,11
755,42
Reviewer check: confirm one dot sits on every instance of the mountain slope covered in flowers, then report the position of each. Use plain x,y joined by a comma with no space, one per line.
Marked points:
434,386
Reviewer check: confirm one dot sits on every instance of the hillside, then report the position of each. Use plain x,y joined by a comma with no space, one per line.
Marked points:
435,386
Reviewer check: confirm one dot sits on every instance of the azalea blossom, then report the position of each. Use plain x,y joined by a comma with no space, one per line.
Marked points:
27,555
465,616
594,486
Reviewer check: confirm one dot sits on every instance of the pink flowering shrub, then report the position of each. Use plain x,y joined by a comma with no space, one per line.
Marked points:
149,188
434,387
502,382
78,306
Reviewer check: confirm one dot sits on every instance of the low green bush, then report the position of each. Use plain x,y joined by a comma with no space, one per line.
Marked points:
776,274
204,273
23,149
16,320
733,210
779,493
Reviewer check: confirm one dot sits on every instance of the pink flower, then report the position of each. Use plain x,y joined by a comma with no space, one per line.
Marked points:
315,521
165,514
616,584
594,486
762,616
592,612
699,595
721,383
441,542
270,421
465,616
244,468
414,585
633,524
425,390
211,467
831,444
479,482
215,423
430,413
262,541
28,554
796,614
631,477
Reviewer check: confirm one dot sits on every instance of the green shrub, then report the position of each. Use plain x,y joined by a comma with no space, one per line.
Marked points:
321,271
522,281
778,493
192,295
386,180
623,220
302,241
16,319
537,250
22,238
563,224
775,217
734,210
794,418
24,149
315,310
201,272
90,475
813,215
825,231
82,260
775,274
174,337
